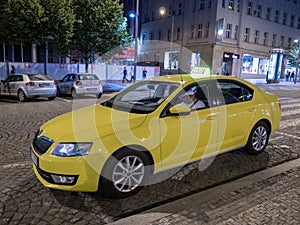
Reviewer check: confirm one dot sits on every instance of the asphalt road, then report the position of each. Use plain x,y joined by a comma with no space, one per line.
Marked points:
23,200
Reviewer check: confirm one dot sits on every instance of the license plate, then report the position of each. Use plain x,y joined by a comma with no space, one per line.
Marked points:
91,89
44,85
34,158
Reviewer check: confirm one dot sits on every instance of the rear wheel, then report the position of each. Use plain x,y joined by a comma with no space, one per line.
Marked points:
58,93
73,93
258,139
125,173
21,96
51,98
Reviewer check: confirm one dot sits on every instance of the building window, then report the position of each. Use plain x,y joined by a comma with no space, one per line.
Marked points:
209,4
178,33
298,26
180,9
281,41
207,29
289,42
259,8
274,40
284,18
228,30
151,36
159,35
247,34
223,3
144,37
169,35
276,16
256,37
236,29
201,5
194,6
292,20
266,35
238,5
249,8
295,1
231,4
268,15
192,31
200,30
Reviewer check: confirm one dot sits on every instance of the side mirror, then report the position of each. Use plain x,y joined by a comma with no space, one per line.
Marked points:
179,110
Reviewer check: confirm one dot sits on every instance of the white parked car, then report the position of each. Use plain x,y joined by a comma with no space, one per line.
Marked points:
28,86
79,84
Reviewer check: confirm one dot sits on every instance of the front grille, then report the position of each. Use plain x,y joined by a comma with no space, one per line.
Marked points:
42,144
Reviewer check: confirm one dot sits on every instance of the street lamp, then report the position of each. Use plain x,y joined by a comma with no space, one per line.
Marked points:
297,68
136,35
49,37
162,11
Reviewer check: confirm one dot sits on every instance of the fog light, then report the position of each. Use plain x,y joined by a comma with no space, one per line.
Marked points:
63,179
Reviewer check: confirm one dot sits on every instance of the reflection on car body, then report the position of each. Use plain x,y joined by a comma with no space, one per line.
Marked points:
28,86
79,84
116,145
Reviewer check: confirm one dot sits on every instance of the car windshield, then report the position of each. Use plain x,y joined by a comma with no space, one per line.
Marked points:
142,97
38,77
87,77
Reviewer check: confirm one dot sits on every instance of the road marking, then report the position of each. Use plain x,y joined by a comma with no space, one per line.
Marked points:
289,135
15,165
63,100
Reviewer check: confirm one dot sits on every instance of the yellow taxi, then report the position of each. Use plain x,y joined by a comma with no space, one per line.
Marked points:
151,126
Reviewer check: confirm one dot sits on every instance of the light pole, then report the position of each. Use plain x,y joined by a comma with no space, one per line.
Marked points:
136,36
49,37
297,68
162,11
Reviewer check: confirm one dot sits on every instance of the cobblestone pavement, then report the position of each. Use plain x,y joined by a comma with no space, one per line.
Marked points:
23,200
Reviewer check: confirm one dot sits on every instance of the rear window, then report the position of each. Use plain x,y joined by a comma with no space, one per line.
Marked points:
39,77
87,77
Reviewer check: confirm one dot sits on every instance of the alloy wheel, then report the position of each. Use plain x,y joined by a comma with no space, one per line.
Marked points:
128,173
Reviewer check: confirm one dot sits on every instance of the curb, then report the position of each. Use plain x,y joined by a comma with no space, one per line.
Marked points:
180,205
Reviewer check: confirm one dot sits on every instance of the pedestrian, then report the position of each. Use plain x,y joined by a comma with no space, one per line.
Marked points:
292,76
131,74
144,76
13,69
125,75
288,75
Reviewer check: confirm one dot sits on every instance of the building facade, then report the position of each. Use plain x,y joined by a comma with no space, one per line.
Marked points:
231,37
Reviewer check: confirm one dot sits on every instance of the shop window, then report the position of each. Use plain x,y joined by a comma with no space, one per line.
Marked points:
231,4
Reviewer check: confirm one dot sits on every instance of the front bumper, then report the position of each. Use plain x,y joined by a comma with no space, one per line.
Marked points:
65,173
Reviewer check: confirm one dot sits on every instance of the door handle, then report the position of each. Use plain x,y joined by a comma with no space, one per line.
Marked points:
251,109
212,116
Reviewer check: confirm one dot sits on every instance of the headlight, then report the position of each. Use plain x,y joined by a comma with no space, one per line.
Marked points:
72,149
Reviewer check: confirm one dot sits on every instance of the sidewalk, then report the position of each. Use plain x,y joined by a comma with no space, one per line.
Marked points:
271,196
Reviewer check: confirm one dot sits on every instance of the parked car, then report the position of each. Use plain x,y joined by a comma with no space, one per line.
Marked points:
28,86
151,126
80,84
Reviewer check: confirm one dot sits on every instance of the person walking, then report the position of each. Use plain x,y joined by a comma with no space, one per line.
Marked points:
13,69
125,75
132,76
144,76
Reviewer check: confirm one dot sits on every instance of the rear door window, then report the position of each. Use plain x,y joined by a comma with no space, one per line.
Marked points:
39,77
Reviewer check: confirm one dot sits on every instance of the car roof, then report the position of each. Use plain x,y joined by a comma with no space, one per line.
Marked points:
187,78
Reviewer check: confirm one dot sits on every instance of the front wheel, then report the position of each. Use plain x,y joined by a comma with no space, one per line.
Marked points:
258,139
21,96
125,173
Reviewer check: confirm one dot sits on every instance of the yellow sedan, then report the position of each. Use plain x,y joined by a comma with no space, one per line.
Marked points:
151,126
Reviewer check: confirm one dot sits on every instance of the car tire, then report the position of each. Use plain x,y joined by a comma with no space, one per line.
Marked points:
51,98
58,93
258,138
125,167
22,96
99,95
73,93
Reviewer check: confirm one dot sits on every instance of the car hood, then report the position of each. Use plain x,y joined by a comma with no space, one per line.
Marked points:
90,123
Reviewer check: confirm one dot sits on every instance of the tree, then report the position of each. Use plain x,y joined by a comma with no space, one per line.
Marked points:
294,55
98,28
35,20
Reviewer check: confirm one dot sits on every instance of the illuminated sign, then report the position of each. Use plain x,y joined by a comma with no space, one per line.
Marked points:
230,55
